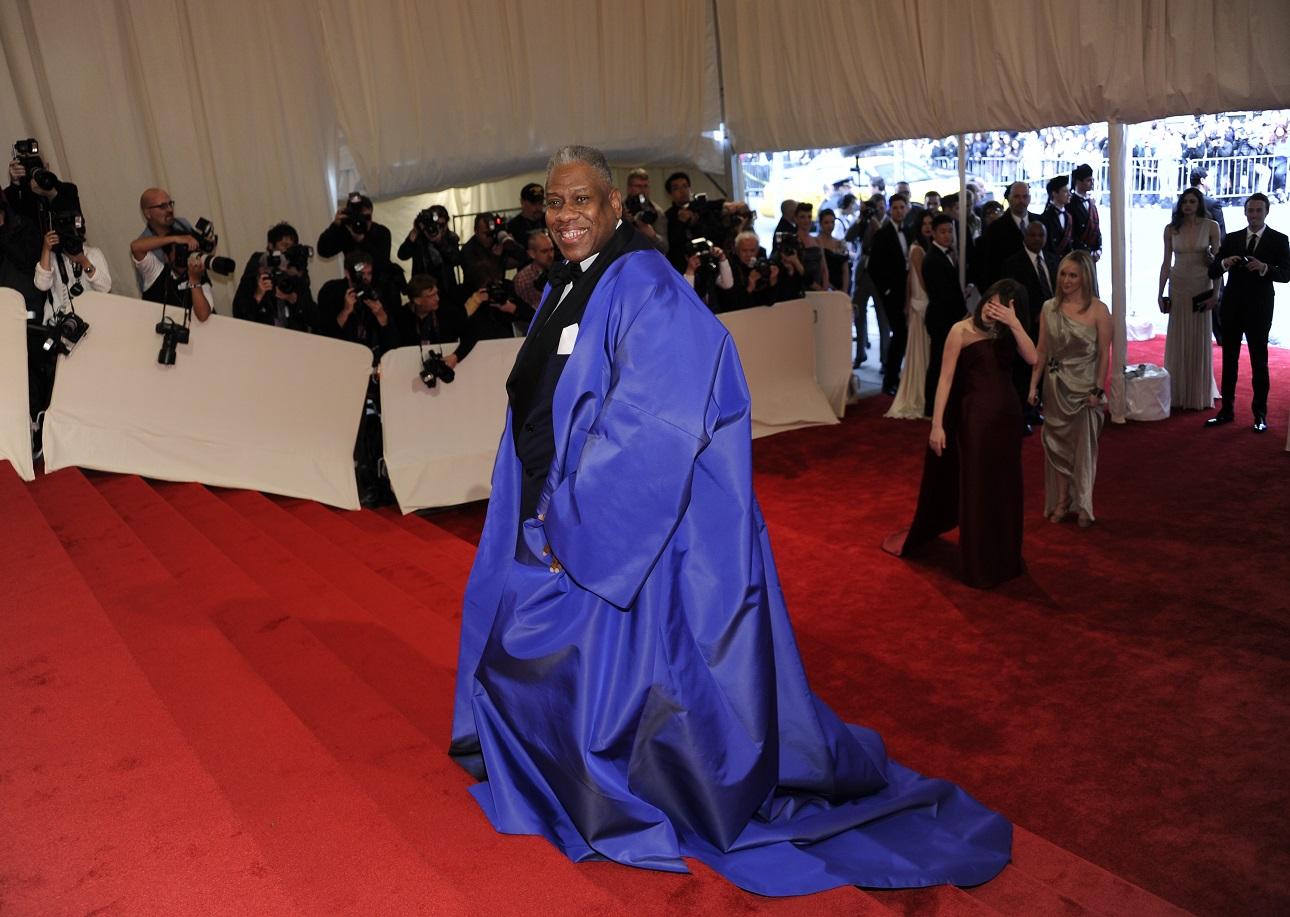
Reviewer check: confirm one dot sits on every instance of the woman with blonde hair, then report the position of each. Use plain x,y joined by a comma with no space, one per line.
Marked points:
1074,353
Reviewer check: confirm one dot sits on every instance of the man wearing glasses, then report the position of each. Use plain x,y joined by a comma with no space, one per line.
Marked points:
160,280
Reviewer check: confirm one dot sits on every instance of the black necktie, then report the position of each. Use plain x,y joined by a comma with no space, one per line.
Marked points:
564,272
1044,286
1254,240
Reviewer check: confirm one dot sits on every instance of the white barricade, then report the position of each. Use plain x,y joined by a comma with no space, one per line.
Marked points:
833,324
440,443
244,405
15,418
777,349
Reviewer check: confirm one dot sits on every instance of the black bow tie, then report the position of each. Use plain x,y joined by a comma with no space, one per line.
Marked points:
564,272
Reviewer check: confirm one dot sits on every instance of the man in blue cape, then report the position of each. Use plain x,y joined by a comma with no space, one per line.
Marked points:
628,683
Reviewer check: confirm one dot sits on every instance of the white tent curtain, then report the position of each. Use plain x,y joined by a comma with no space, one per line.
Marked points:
435,95
820,73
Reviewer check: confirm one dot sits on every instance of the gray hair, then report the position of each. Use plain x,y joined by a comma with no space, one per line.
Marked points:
588,156
746,234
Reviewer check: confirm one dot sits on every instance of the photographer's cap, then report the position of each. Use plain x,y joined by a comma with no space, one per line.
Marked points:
533,193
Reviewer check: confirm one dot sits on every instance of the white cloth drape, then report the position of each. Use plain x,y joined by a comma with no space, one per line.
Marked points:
819,73
15,421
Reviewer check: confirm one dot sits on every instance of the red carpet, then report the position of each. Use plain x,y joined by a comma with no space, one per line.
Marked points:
219,702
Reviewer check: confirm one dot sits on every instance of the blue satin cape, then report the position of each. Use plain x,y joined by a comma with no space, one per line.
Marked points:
648,703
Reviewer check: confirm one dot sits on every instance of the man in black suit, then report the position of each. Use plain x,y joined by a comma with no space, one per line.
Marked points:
1253,258
1006,235
1087,234
1035,268
889,268
945,303
1059,226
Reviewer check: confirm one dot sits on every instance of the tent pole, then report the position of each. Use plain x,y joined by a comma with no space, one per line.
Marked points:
963,210
1119,187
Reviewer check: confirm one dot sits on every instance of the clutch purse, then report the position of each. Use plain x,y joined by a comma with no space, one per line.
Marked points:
1198,301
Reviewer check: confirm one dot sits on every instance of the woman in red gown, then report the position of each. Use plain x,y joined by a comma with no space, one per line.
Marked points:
972,469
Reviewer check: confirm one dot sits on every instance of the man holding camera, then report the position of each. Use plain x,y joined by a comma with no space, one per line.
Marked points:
275,289
530,218
64,260
433,249
707,270
489,253
641,211
353,308
353,229
531,278
33,188
170,265
428,320
755,279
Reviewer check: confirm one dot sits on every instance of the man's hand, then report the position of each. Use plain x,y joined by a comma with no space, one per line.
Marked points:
195,269
184,239
450,361
263,285
51,239
1254,265
774,274
508,307
341,216
378,310
686,215
17,172
351,300
718,253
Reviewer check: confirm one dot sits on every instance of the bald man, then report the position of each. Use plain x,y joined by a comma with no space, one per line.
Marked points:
153,253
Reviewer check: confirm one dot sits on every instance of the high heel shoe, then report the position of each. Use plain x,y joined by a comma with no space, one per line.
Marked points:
1085,520
1060,512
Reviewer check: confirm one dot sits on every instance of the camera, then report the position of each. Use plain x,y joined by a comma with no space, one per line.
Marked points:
63,332
172,335
787,243
296,258
356,214
433,368
638,206
500,292
700,204
762,267
427,222
212,263
27,152
70,227
204,233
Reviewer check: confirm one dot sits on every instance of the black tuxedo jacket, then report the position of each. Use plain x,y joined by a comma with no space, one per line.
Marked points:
887,264
945,303
1020,267
1060,241
1084,238
1001,240
1248,288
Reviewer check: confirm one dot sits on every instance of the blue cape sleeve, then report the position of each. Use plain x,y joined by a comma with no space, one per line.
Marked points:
610,518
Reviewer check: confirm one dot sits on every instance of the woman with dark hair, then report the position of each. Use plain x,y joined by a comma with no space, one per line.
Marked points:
972,468
837,261
811,254
1074,352
1191,241
909,401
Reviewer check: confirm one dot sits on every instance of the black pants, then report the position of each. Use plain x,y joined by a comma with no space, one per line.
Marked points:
1253,321
893,306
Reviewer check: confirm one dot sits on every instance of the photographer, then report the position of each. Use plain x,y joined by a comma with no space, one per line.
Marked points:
708,271
641,211
33,188
755,277
498,312
489,253
428,320
685,220
64,260
19,249
275,288
170,265
433,249
354,308
530,279
787,256
352,229
530,218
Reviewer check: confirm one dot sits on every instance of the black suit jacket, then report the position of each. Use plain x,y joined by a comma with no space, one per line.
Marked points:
1086,239
1059,243
1000,241
1246,287
1214,209
945,303
1020,267
887,265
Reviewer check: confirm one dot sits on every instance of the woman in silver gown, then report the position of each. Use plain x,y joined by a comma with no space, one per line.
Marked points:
1191,241
1074,352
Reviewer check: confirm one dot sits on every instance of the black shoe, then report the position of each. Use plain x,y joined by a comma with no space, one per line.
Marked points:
1219,419
1260,424
889,390
1027,430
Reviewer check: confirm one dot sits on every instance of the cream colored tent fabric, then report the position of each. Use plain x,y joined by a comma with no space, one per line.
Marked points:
244,405
15,421
819,73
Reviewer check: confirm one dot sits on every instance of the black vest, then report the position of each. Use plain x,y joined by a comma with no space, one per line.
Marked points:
531,384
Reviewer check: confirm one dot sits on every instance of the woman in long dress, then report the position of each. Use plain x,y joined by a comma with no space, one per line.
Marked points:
972,467
837,260
1074,352
909,402
811,252
1191,241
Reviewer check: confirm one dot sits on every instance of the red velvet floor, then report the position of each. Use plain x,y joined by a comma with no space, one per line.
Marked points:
218,702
